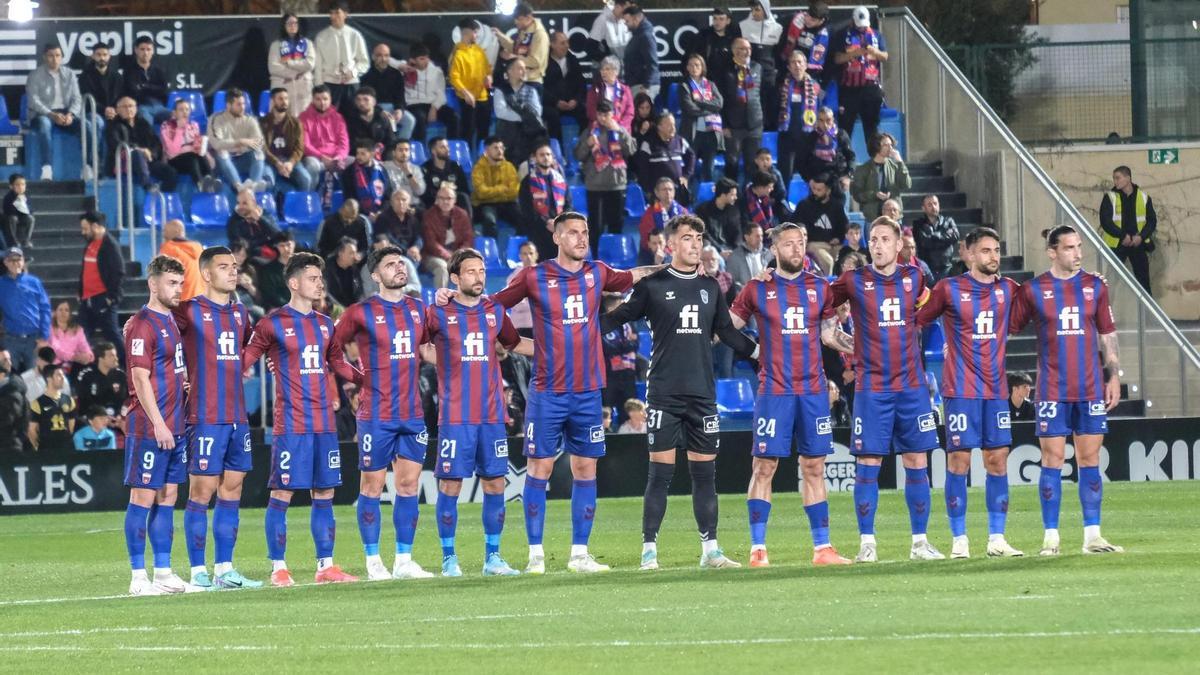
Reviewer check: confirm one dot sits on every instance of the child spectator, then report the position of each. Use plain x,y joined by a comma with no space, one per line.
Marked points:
95,435
18,219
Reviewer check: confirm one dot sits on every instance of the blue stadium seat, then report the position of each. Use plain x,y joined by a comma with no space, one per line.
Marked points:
335,200
512,254
735,397
264,103
23,113
644,343
934,341
797,190
419,154
491,254
152,215
220,97
210,209
196,98
705,192
635,201
267,201
771,142
453,102
556,148
460,152
302,209
579,199
673,99
618,250
6,125
640,387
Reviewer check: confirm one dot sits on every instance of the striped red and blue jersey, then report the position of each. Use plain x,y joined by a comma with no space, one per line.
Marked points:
789,314
389,336
302,349
470,385
975,317
862,70
887,349
152,342
568,354
1069,316
213,338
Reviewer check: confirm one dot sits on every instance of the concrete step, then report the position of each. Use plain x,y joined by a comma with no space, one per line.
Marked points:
925,169
960,214
947,199
40,203
927,184
56,187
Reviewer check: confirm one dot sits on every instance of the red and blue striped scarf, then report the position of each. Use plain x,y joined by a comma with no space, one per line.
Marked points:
826,147
293,50
745,82
703,91
543,187
369,186
662,215
811,91
760,209
522,43
608,150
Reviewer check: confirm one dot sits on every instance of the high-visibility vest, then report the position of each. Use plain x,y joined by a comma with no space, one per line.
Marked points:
1140,206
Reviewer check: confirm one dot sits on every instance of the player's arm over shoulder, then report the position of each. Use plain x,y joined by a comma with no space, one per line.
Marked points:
743,306
934,305
516,290
632,309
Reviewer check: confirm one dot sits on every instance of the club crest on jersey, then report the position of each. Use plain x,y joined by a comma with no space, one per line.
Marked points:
416,316
704,296
907,281
285,478
589,279
207,316
868,285
1044,426
237,316
762,447
670,295
770,295
366,460
380,319
1047,295
289,332
965,297
552,283
812,295
956,440
491,320
324,330
203,462
1088,292
446,466
146,477
1000,294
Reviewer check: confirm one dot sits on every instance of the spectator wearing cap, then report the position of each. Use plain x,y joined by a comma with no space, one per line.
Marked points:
860,53
100,280
95,434
531,45
341,56
641,54
604,151
178,246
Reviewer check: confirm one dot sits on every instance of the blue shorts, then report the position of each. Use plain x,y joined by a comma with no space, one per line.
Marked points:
893,421
305,462
570,421
781,419
1064,418
977,423
216,448
381,442
150,467
472,449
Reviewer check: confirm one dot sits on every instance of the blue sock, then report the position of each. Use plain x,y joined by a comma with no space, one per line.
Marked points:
534,499
916,493
195,529
135,535
324,529
276,528
162,531
225,529
1091,493
493,523
760,511
956,502
1050,489
404,517
818,522
996,494
583,511
447,514
368,523
866,495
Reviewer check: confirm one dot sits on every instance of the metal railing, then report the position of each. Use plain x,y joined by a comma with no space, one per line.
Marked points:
125,208
90,131
946,119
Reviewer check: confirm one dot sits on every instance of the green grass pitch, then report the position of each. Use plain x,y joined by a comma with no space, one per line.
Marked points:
62,609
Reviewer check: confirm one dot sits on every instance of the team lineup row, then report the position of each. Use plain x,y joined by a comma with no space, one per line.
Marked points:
187,415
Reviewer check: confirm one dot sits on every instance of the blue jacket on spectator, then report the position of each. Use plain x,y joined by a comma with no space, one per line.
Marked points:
26,305
641,56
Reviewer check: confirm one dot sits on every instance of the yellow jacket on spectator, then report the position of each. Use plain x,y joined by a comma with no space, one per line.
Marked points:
469,69
494,183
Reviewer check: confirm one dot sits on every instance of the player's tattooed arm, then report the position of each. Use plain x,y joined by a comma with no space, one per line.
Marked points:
1112,369
644,271
834,337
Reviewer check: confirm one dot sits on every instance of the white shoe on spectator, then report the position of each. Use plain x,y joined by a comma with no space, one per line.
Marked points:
87,173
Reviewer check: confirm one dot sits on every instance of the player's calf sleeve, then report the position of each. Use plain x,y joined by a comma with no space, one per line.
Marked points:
323,526
162,531
704,497
534,499
996,494
956,502
367,511
916,493
654,503
1091,494
866,496
226,518
135,535
759,511
583,511
493,522
276,528
447,515
405,513
818,523
195,529
1050,490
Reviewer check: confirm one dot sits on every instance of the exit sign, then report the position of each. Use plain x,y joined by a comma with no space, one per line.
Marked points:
1164,156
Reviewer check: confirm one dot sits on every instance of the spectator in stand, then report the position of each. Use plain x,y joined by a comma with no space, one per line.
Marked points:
757,204
341,57
710,265
620,360
662,209
1020,407
609,35
496,187
520,314
103,82
891,209
655,250
826,149
641,54
402,173
185,148
94,434
665,154
51,422
839,412
860,55
701,125
18,217
604,150
291,61
518,107
471,77
852,246
936,237
643,117
1127,223
326,141
366,181
103,384
824,217
723,219
765,163
447,228
247,293
530,46
425,92
635,422
283,143
880,178
345,418
341,273
148,166
960,264
70,344
401,225
254,225
52,93
272,282
564,86
14,411
807,34
35,378
388,82
347,222
370,121
799,97
908,254
608,87
514,415
606,419
543,196
743,113
370,287
100,280
763,32
237,143
750,257
439,170
146,83
715,43
177,245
